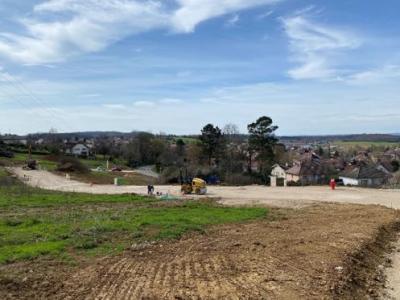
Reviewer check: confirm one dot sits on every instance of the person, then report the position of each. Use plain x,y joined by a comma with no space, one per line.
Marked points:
333,184
150,190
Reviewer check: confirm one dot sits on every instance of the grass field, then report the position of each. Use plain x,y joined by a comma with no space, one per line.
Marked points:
108,178
365,144
35,222
21,158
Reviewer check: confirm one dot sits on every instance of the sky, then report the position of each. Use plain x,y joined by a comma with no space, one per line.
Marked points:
172,66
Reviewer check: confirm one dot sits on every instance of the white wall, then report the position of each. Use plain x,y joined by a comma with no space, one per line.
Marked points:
349,181
80,149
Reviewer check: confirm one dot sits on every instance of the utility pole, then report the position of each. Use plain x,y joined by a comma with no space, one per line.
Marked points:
30,152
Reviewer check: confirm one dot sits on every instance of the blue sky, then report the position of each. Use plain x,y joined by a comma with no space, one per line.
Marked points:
315,67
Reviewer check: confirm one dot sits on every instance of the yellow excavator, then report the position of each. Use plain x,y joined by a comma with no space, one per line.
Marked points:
197,186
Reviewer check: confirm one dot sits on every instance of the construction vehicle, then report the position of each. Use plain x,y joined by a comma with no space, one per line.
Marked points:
197,185
30,164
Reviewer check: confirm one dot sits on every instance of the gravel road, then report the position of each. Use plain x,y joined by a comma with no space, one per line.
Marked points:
246,195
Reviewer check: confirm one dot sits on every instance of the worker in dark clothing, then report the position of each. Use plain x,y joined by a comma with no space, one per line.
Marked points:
150,190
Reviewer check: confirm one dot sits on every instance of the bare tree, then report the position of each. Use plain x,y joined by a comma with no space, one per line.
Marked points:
230,129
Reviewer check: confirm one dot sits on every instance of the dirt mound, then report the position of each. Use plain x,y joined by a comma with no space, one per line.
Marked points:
71,164
298,254
364,274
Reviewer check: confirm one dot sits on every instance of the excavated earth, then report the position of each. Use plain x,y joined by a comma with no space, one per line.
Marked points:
324,251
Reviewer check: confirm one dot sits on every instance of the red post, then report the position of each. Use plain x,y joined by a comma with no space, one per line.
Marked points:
333,184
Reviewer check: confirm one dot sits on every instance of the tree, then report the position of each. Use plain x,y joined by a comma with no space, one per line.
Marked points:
321,151
212,141
262,142
395,165
180,148
230,129
103,147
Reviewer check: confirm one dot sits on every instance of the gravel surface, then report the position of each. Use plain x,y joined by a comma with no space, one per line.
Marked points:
293,197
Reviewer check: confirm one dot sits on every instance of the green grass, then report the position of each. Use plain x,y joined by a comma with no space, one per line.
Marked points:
108,178
51,164
366,144
3,173
21,158
35,222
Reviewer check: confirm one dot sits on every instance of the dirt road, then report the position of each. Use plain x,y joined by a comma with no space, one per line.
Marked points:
293,197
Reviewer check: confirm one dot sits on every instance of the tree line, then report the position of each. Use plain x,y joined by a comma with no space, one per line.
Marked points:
224,153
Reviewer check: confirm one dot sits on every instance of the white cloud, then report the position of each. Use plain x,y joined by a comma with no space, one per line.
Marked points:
114,106
78,26
232,21
93,25
375,76
265,15
91,95
171,101
144,104
193,12
298,107
313,46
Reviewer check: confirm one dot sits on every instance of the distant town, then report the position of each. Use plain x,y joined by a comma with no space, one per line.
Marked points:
223,155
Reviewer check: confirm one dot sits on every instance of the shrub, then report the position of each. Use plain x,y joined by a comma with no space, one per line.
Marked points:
239,179
12,222
71,164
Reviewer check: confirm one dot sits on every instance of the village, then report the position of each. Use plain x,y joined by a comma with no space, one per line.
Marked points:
293,164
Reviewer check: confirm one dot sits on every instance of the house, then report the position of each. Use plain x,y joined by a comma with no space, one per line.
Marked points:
386,166
362,156
392,154
78,150
366,175
278,175
309,170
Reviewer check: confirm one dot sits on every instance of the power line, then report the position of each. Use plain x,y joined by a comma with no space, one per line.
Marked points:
17,99
25,90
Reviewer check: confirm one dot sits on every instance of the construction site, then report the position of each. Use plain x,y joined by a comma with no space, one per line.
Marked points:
313,243
199,149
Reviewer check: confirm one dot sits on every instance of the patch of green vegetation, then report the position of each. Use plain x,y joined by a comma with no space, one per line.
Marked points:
22,196
99,177
49,162
366,144
35,222
12,253
43,161
188,140
3,173
100,161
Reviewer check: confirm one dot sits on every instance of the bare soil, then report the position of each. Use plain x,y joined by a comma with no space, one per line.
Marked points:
393,274
325,251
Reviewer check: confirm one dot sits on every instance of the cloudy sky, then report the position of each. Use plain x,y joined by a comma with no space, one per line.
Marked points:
314,66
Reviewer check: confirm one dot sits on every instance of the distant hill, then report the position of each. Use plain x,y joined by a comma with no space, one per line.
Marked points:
395,138
345,138
86,134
